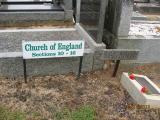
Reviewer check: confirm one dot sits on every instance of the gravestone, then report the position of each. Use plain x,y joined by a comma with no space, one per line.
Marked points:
119,17
17,11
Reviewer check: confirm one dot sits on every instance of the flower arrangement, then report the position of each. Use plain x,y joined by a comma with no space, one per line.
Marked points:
132,76
144,89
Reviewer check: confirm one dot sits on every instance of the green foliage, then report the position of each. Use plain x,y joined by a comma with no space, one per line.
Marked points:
36,114
8,115
83,113
63,115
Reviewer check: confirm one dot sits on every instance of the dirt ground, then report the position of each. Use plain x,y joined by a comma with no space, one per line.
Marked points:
46,95
36,24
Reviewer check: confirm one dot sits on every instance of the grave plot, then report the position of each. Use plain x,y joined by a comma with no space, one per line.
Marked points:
144,29
34,12
147,6
141,89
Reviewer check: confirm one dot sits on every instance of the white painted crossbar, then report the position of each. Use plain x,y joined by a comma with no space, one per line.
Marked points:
11,54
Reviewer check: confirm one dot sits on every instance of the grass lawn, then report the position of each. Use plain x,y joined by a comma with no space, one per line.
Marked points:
6,114
83,113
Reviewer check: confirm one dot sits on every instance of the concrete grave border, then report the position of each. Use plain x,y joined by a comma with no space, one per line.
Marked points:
134,89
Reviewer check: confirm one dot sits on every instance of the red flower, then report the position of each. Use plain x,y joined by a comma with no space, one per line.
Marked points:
144,90
132,77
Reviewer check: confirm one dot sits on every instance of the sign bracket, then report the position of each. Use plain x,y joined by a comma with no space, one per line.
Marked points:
116,68
24,70
78,75
80,67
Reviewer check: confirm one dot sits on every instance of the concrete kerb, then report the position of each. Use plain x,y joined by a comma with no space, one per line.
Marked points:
134,89
145,21
33,16
12,65
92,57
93,45
146,44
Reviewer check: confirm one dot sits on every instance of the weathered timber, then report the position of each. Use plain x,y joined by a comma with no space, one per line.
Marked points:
119,54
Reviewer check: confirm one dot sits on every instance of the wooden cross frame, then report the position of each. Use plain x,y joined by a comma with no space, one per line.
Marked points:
118,55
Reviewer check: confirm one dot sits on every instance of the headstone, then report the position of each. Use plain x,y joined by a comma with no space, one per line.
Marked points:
0,2
68,8
119,16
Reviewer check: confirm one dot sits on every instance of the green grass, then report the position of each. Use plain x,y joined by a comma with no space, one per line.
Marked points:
83,113
5,114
